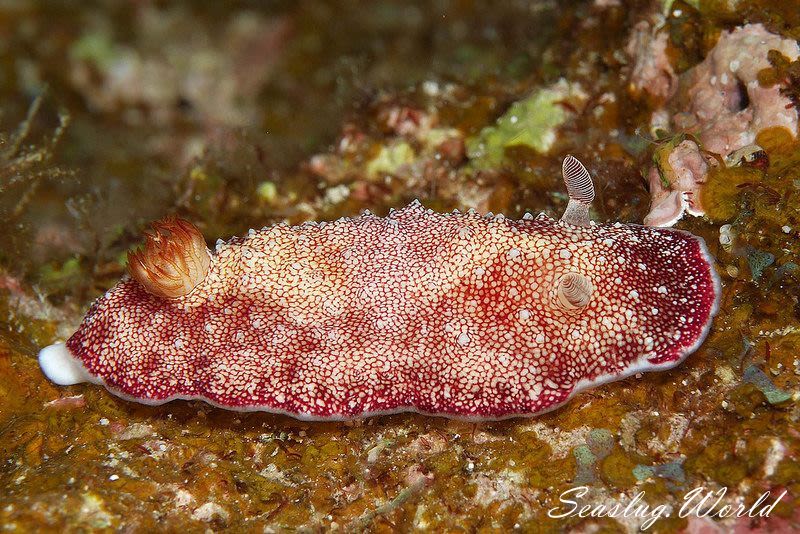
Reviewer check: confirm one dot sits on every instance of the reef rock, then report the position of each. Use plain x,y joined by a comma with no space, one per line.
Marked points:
727,106
721,103
652,72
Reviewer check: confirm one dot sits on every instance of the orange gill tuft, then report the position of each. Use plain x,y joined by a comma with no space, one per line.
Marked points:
174,259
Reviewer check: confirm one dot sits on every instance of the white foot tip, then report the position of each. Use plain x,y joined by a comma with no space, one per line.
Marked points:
60,367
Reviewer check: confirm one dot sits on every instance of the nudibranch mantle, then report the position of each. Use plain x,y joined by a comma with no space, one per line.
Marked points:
459,315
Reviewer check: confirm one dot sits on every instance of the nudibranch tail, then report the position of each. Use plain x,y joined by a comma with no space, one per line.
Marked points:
174,259
580,189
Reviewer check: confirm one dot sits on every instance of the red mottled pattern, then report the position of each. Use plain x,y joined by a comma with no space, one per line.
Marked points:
443,314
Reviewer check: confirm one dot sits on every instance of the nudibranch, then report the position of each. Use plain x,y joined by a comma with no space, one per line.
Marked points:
458,315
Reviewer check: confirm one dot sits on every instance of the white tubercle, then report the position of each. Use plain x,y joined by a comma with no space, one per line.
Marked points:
60,366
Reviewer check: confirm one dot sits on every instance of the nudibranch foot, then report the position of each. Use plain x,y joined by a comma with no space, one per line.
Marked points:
457,315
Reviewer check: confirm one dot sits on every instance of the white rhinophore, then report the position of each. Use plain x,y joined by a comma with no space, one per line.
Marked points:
581,192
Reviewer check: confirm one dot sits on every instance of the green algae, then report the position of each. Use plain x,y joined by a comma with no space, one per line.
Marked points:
757,377
661,158
530,122
97,47
390,158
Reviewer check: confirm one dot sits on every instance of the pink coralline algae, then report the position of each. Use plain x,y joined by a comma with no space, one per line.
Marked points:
674,186
722,104
651,71
727,105
460,315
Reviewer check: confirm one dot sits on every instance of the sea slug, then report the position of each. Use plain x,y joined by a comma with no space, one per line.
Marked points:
459,315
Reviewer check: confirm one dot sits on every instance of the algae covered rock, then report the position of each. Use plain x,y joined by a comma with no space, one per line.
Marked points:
531,122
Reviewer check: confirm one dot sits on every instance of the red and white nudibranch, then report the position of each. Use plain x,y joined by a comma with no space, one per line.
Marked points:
458,315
